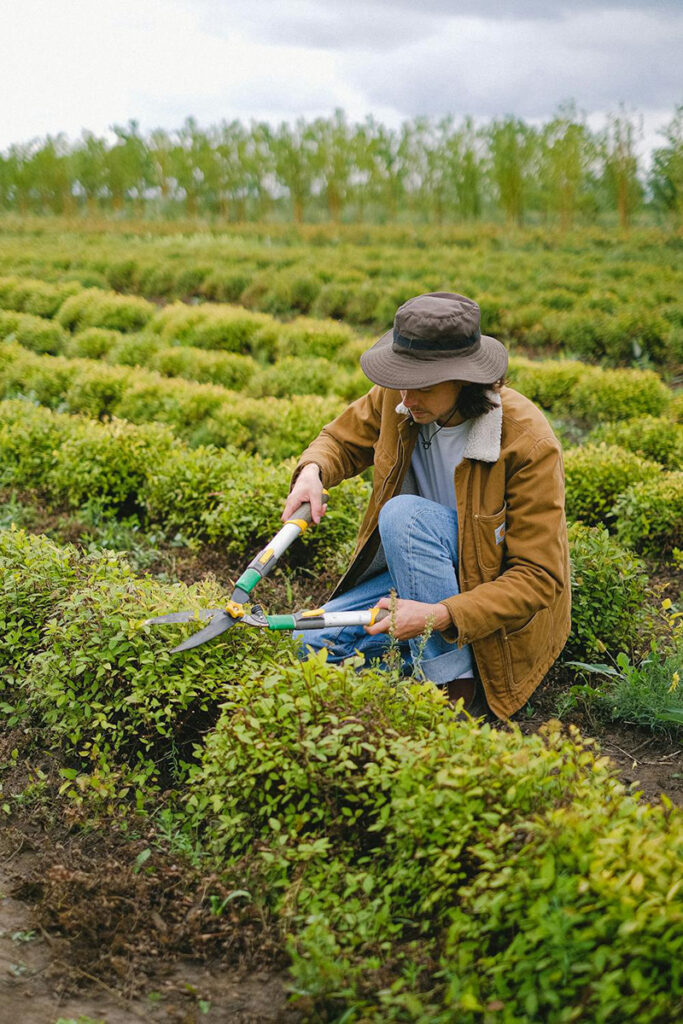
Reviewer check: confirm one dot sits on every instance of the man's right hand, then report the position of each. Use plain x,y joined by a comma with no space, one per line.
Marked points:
308,487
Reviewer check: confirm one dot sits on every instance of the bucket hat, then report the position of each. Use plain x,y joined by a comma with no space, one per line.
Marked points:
435,337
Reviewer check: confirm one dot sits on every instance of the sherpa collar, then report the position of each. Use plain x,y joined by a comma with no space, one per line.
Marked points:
484,440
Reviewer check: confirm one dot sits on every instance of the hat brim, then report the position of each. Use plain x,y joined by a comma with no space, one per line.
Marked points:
402,370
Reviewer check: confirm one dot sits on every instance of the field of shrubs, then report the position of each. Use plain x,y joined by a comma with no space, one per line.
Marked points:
155,388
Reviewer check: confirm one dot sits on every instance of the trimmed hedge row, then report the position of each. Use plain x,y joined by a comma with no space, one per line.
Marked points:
423,867
234,499
198,413
431,870
222,496
41,298
581,293
93,307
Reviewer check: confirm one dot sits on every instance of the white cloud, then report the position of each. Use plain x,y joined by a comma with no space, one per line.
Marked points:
72,64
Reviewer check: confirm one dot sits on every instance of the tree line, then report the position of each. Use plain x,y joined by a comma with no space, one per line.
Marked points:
437,170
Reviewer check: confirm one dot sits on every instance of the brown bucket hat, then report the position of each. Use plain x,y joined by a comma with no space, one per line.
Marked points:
436,337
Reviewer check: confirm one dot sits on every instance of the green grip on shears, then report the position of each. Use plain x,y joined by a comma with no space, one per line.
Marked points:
248,580
281,621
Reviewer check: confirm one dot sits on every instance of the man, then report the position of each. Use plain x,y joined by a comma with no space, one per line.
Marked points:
466,518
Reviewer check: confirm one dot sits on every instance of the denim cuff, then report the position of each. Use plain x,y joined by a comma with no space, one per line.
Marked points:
448,666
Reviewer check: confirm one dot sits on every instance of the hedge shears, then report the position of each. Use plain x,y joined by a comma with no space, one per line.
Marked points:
234,612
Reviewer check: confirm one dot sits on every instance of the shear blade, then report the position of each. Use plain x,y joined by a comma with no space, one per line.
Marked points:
204,613
219,624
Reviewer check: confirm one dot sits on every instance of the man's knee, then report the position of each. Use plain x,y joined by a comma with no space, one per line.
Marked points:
395,516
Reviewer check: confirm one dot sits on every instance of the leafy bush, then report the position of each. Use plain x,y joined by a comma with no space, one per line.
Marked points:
605,395
595,474
33,332
40,298
92,343
225,285
609,595
650,515
107,465
96,308
550,383
293,375
290,291
35,575
653,437
309,338
229,369
424,866
134,349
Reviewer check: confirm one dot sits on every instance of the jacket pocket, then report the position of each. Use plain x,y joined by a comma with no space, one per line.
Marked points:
526,648
489,539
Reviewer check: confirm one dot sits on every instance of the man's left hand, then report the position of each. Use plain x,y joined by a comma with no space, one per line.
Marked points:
410,618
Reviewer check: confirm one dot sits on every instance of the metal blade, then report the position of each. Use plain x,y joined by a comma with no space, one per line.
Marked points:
219,624
204,613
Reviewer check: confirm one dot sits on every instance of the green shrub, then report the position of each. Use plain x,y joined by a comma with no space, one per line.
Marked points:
609,595
92,343
333,300
309,338
595,474
29,439
229,369
653,437
33,332
550,383
227,328
606,395
134,349
650,515
35,575
37,297
96,389
107,465
381,828
95,308
290,291
293,375
225,285
43,378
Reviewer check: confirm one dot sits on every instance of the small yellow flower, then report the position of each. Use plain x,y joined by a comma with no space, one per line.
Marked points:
675,679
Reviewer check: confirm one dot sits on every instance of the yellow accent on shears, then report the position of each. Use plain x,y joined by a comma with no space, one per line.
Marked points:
236,610
312,613
374,612
266,556
301,523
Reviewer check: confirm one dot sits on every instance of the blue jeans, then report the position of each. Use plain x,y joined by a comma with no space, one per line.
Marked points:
420,540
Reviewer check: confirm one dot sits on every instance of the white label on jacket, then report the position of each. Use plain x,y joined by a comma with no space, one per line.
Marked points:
500,533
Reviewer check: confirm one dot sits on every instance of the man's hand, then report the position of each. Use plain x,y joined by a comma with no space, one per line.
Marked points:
308,487
411,618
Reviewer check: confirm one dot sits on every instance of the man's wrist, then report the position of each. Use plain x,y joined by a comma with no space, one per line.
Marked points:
442,618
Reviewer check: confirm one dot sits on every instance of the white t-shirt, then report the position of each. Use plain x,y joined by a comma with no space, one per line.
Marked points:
434,467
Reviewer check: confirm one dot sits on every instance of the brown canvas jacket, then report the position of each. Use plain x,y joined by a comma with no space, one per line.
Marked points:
513,570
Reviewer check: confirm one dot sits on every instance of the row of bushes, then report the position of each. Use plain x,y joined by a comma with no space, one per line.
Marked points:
319,358
198,413
609,485
222,496
231,498
621,307
423,868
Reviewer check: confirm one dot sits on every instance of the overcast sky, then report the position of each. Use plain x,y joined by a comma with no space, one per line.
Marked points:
66,65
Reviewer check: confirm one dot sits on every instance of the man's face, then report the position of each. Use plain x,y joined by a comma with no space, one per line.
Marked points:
435,403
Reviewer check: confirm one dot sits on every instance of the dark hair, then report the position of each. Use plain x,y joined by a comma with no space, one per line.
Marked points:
473,401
